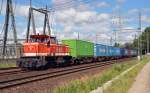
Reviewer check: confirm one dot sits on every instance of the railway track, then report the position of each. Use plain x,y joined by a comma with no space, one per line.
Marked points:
11,70
41,76
11,82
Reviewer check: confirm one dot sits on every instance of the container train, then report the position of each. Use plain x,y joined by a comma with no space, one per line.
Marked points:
43,51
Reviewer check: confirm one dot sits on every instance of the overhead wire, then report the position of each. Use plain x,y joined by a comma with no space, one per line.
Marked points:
69,5
65,3
55,7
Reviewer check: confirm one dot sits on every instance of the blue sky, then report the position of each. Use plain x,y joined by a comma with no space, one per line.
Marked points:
87,17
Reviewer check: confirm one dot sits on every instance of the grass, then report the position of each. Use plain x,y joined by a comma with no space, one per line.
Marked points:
123,84
6,64
87,84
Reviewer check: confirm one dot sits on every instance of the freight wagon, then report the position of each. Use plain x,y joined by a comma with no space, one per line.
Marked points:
124,52
80,48
104,52
81,51
134,52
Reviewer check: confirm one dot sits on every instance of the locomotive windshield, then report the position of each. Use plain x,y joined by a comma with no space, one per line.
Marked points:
39,38
43,39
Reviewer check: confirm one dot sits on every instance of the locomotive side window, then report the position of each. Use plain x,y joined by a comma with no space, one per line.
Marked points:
53,40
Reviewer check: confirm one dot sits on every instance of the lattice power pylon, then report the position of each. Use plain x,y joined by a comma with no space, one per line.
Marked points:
9,14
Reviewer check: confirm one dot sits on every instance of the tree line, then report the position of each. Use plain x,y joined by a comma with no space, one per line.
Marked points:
142,42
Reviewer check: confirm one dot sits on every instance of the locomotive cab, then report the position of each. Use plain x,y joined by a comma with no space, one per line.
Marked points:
39,38
40,45
43,39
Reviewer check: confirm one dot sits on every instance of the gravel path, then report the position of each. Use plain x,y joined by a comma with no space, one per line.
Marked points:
142,81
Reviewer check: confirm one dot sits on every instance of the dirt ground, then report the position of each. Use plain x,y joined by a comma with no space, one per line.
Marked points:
142,81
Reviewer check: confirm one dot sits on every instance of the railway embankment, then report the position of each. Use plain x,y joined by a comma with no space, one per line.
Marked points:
121,85
126,81
47,80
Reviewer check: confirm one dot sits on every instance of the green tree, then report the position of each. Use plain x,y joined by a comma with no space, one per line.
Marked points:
143,40
116,45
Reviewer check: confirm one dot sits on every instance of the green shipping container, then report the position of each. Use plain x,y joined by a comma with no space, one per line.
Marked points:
80,48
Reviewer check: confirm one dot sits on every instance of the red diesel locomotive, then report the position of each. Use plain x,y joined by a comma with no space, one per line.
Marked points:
42,50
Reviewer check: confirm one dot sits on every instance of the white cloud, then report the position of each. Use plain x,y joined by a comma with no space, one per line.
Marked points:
116,8
22,10
102,5
63,4
80,19
83,7
84,16
132,11
103,17
87,23
61,1
144,13
118,5
146,19
104,36
66,14
146,10
78,5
